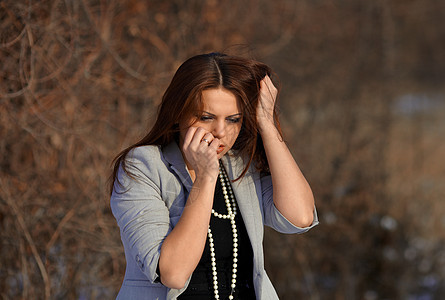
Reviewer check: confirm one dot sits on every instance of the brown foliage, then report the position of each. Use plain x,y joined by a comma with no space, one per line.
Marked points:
362,105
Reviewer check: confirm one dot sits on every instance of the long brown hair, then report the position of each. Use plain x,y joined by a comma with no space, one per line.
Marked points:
182,99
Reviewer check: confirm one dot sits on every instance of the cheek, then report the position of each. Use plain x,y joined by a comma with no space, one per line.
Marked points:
234,133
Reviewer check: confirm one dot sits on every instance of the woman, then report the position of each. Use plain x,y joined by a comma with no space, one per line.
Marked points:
191,198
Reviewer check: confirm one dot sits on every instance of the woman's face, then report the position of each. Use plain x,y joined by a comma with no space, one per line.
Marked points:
221,117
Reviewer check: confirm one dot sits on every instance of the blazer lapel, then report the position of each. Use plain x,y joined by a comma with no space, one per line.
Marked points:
246,197
173,156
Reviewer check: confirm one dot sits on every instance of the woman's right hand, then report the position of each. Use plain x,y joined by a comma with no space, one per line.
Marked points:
182,248
200,151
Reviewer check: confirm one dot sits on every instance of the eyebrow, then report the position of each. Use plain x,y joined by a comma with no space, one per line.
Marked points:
238,114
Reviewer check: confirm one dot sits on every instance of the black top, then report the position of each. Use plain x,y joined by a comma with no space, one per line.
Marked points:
201,283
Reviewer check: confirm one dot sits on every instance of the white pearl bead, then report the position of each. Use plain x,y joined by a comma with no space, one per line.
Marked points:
231,213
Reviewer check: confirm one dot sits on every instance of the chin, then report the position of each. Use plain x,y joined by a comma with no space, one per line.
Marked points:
220,155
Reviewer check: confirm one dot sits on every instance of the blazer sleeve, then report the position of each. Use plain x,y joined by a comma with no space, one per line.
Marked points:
141,214
272,216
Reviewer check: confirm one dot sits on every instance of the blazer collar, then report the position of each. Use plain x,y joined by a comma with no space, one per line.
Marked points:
172,154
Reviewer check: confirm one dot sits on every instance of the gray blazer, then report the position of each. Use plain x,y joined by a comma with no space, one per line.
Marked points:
148,206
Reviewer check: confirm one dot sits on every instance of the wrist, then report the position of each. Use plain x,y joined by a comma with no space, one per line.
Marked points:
267,127
205,178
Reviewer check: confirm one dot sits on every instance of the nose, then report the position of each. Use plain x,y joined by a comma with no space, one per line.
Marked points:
219,130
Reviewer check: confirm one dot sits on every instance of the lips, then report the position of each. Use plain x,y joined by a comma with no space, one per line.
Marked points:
220,149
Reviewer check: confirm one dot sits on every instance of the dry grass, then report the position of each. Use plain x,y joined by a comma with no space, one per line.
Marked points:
79,80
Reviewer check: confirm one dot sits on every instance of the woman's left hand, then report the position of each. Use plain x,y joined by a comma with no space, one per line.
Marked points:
292,195
266,103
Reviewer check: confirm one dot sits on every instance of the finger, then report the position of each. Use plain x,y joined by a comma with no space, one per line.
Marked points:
189,136
267,85
207,138
268,80
215,144
198,136
265,80
268,94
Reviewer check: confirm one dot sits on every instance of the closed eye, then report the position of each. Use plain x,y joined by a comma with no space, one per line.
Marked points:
234,120
206,118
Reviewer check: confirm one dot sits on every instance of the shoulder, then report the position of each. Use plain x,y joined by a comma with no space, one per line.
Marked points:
144,153
146,161
150,156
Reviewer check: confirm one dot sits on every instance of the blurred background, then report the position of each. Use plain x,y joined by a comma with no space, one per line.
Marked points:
362,108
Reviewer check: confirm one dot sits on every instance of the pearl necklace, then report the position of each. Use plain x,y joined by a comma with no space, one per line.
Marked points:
231,213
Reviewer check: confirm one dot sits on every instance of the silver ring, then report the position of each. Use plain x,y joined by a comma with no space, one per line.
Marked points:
207,141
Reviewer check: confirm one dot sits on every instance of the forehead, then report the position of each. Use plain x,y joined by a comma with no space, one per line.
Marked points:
220,101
